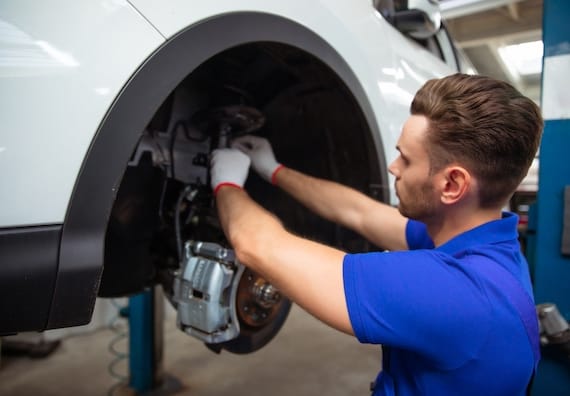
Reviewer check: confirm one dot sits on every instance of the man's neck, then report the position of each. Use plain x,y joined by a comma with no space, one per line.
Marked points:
457,222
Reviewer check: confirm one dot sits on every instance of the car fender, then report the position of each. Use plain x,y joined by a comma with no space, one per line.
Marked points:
60,72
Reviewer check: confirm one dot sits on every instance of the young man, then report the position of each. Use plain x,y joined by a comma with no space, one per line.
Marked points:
452,300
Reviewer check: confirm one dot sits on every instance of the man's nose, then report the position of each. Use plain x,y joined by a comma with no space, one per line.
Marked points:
393,169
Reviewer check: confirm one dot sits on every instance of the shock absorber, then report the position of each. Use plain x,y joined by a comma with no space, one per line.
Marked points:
228,122
224,135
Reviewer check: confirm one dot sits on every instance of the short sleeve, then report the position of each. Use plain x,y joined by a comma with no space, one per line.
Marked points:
416,301
417,236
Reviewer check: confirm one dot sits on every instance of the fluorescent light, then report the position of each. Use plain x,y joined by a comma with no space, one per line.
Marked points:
523,59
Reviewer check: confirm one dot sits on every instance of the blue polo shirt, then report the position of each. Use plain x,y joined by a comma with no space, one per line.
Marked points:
449,327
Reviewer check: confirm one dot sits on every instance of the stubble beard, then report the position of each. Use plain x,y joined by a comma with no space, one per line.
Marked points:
418,203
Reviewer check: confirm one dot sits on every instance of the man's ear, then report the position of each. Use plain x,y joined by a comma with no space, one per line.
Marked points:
456,182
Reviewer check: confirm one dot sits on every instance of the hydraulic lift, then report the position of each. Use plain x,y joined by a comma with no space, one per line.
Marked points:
146,340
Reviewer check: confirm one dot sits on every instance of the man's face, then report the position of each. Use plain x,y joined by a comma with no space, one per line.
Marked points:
414,184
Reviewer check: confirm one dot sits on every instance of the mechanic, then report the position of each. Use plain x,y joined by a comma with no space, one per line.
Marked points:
451,300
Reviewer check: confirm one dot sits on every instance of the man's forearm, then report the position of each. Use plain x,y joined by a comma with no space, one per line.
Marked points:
330,200
379,223
246,224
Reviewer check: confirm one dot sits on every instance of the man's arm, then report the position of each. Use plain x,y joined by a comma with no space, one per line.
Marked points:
310,274
381,224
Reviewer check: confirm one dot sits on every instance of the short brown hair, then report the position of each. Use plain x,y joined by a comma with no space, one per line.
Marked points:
485,125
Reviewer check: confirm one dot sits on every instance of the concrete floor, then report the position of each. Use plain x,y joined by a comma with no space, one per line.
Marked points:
306,358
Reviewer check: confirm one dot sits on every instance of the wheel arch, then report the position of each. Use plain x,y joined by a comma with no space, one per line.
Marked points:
82,242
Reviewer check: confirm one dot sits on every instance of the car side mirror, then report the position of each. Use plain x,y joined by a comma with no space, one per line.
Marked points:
417,23
419,19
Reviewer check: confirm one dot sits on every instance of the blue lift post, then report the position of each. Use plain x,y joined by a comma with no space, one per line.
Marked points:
146,345
551,265
142,340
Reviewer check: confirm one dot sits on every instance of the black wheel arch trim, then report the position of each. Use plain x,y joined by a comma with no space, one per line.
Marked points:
82,241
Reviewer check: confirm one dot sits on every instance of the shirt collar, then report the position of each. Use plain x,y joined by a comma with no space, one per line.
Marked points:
504,229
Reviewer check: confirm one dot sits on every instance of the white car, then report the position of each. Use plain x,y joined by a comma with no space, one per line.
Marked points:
110,110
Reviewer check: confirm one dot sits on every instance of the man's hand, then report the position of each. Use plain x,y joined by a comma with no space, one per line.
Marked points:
261,154
228,167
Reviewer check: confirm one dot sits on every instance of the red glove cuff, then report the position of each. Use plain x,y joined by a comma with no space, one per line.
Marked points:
229,184
274,174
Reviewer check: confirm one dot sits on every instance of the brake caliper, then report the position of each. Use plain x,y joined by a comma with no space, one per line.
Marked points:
205,292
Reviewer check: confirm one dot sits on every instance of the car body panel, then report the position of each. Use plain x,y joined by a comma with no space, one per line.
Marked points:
56,89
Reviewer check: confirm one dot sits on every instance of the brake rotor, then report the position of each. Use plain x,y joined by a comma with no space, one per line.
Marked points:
257,301
261,311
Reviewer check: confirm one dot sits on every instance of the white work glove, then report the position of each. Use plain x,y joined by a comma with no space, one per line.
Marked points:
261,154
228,167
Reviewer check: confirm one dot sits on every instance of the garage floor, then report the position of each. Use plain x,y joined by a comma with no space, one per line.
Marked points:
306,358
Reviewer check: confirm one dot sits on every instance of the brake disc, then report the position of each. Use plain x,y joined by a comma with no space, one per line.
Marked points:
261,310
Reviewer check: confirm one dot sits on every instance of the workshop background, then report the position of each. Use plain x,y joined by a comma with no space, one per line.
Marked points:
502,39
